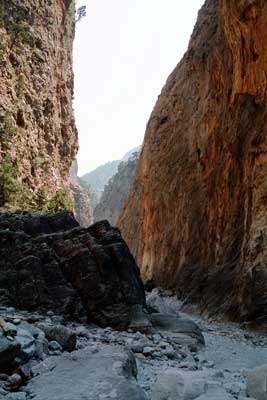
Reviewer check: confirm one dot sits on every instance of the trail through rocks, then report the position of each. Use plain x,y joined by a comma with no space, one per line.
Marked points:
65,361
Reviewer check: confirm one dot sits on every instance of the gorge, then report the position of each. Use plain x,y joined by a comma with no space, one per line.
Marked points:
91,311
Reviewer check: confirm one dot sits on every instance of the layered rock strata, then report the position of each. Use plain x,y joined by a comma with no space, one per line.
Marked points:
196,217
38,138
51,263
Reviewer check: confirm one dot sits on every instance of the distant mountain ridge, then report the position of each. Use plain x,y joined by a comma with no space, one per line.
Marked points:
99,177
117,189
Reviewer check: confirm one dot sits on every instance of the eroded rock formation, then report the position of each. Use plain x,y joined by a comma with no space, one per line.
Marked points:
50,263
81,194
38,138
116,191
100,176
196,218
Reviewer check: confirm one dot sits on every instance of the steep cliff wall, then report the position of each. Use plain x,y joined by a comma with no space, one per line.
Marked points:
100,176
81,194
116,191
38,138
197,216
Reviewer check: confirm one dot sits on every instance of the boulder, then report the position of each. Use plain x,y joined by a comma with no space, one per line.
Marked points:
179,327
216,394
109,373
50,263
257,383
9,350
177,385
139,320
27,343
173,384
64,336
162,302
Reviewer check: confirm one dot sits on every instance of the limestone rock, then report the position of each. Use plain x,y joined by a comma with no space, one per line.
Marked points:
60,334
100,176
216,393
257,383
107,374
50,263
116,191
196,217
9,350
98,179
83,210
177,326
178,385
38,137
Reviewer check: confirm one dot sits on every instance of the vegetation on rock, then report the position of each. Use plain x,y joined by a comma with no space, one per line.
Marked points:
38,138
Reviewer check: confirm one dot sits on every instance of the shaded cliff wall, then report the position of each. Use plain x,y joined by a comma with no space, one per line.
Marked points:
81,195
116,191
38,138
196,218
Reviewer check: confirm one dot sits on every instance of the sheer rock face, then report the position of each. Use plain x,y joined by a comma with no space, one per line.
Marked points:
37,128
83,210
196,218
116,191
50,263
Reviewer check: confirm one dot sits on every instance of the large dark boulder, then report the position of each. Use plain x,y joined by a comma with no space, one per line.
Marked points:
50,262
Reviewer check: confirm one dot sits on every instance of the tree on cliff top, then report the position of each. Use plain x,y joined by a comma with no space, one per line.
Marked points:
80,13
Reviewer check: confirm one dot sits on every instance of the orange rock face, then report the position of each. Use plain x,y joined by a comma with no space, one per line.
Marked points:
38,136
197,217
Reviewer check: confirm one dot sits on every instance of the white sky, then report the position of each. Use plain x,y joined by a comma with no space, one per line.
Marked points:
123,53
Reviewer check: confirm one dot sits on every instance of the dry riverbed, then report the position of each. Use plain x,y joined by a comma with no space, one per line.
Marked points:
66,361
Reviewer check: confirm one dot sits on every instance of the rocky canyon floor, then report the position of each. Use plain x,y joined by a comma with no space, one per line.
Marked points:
57,360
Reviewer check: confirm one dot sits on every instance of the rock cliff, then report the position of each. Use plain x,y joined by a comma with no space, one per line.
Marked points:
38,138
196,218
100,176
116,191
81,195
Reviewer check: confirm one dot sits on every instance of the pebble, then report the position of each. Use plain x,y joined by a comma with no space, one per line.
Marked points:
12,329
82,332
137,348
55,346
50,313
156,338
147,351
14,381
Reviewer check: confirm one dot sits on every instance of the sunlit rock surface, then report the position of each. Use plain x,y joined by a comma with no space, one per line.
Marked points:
196,218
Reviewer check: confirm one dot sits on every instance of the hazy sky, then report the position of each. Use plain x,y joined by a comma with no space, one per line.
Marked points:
123,53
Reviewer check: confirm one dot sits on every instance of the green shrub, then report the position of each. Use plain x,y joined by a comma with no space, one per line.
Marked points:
7,128
9,185
61,201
